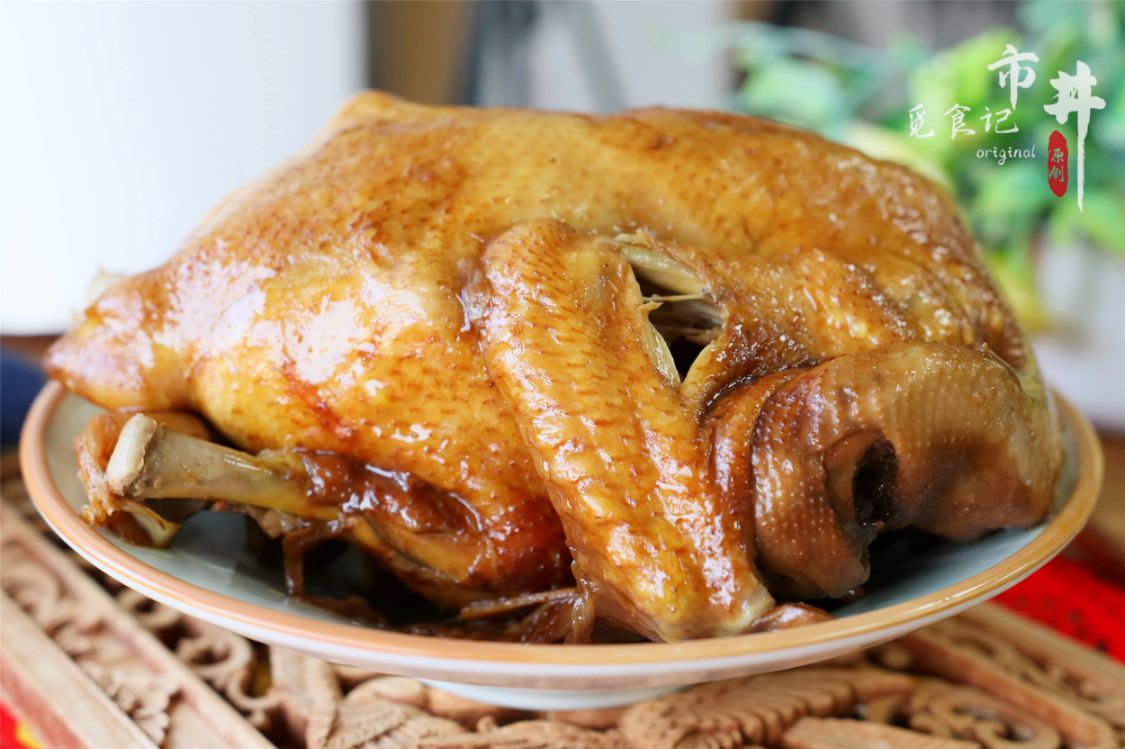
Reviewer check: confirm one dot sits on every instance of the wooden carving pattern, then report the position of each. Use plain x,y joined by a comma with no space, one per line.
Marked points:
1096,690
329,718
1082,696
833,733
755,710
226,661
941,709
986,679
530,734
85,636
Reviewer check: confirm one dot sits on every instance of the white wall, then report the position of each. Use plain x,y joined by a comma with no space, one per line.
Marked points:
639,36
123,123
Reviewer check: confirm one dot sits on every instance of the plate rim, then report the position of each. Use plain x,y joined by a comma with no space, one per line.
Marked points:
450,656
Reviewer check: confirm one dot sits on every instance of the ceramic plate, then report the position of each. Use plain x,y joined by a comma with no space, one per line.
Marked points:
208,574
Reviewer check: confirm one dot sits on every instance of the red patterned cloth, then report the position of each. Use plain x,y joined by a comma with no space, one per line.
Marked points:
15,735
1070,598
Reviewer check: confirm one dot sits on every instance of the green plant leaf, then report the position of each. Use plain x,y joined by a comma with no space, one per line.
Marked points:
795,91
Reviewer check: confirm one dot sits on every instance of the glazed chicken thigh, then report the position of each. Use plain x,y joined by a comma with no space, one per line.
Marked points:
685,362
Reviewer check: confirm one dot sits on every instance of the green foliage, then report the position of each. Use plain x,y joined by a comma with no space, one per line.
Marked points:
861,95
821,107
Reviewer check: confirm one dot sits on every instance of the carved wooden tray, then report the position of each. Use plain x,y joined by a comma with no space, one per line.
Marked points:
88,663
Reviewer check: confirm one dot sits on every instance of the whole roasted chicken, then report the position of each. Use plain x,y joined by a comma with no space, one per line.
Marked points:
659,369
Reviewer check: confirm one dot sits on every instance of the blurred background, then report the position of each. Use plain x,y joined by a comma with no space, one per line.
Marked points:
122,123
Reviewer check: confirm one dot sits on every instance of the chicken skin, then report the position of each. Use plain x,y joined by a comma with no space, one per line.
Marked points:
682,361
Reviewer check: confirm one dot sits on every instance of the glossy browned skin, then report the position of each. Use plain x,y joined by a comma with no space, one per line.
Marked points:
384,295
560,317
970,451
